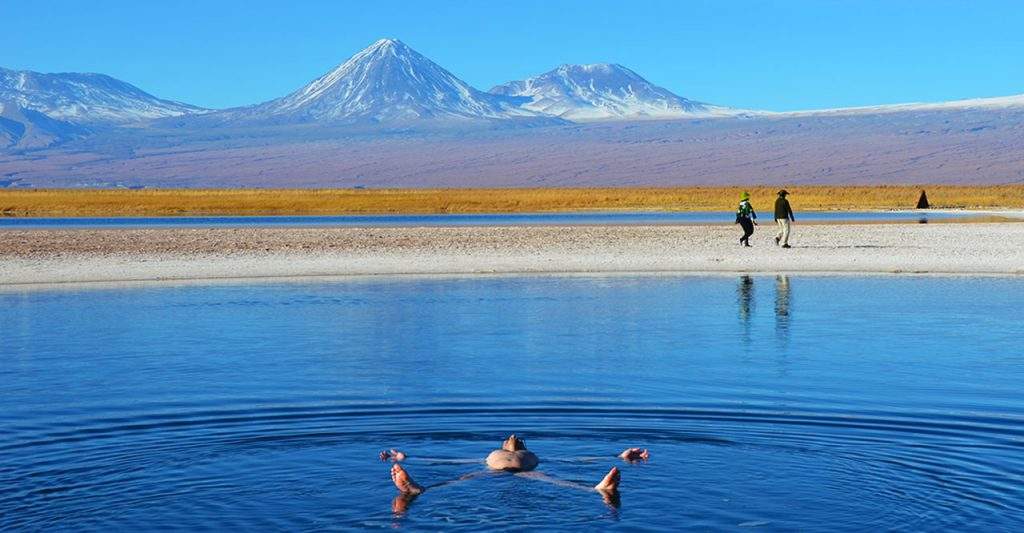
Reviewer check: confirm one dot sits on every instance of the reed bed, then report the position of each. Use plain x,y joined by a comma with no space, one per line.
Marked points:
227,202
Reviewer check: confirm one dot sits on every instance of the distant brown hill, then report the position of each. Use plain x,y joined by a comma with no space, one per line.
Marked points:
941,145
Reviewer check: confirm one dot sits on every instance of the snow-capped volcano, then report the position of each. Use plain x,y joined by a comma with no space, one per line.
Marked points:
85,98
388,81
603,91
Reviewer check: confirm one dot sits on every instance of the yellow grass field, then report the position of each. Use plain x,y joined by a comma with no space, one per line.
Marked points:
179,202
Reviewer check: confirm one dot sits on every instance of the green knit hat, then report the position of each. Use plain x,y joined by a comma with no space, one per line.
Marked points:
745,196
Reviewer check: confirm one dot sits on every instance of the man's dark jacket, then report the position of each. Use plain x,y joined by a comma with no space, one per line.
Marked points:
782,209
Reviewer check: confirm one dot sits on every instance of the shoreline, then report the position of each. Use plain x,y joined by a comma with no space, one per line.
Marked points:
398,278
39,257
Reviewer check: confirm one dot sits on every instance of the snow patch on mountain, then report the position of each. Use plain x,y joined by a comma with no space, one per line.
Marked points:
604,91
83,98
22,128
990,104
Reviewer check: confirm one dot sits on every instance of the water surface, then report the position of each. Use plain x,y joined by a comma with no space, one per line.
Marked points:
769,403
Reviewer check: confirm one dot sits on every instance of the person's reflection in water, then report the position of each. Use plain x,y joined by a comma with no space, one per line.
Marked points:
782,309
745,299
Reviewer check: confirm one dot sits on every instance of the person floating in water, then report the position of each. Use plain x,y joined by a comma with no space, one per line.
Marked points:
746,218
783,215
511,457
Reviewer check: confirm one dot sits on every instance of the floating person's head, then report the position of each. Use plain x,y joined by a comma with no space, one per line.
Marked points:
744,196
513,444
783,193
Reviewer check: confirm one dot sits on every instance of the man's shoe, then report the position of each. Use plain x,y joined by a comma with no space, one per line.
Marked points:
777,239
785,246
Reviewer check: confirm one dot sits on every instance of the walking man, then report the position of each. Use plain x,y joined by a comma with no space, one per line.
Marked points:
783,215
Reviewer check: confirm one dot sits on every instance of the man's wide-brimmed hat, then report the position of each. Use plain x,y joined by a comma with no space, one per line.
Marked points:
783,192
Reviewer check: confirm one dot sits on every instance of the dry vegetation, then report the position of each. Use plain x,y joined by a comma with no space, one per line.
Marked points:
172,202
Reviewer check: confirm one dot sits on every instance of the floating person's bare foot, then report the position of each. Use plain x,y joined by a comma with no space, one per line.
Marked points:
610,483
392,454
403,482
635,454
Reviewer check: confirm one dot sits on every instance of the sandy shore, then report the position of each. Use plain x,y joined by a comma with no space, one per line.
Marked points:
58,256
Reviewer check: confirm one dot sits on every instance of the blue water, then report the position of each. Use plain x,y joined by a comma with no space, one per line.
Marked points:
768,403
584,218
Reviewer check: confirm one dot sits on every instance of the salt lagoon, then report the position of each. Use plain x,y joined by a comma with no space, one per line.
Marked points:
775,402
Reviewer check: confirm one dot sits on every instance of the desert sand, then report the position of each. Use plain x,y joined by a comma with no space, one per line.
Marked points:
117,255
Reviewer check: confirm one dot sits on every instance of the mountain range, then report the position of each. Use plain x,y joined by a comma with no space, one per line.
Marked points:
389,116
386,83
390,83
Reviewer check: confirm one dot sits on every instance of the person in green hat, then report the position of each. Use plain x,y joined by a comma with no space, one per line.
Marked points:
746,218
783,215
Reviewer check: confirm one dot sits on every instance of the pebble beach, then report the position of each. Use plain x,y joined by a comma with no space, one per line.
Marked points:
121,255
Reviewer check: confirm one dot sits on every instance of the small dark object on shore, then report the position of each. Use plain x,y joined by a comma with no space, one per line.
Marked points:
922,202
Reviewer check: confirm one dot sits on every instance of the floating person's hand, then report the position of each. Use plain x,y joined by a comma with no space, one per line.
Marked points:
392,454
635,454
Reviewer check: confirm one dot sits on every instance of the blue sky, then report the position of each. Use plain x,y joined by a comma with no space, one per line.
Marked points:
751,54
